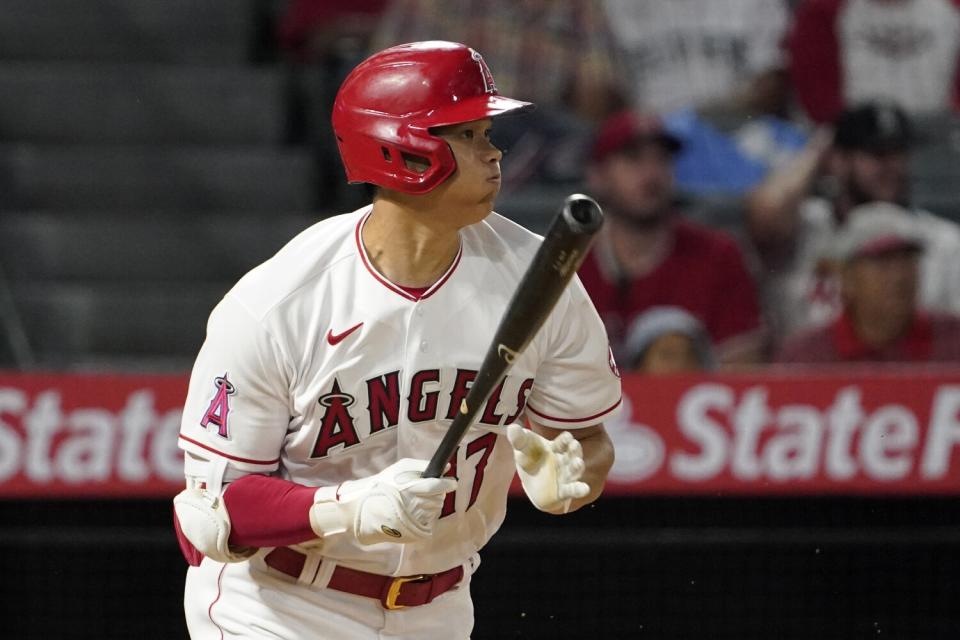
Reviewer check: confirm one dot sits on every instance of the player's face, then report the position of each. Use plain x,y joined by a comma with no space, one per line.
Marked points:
636,183
471,190
877,176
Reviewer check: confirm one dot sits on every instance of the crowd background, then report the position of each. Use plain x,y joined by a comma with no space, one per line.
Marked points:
148,160
782,189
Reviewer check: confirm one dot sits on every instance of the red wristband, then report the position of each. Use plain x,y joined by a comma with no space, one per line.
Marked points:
268,512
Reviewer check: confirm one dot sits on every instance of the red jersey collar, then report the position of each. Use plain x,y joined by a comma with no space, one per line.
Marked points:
917,344
410,293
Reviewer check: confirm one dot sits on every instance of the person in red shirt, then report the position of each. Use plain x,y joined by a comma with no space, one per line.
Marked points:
881,321
648,255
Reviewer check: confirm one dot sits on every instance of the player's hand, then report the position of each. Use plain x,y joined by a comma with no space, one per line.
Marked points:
396,505
550,470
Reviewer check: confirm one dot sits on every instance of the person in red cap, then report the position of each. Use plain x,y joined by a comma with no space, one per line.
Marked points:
878,254
331,373
648,255
794,215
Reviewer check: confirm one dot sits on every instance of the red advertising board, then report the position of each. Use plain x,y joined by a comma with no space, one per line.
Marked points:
857,433
866,432
64,435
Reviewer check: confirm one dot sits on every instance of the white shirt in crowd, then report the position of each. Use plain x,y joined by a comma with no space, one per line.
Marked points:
684,53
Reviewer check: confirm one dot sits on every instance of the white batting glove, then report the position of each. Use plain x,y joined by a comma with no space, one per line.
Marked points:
550,470
396,505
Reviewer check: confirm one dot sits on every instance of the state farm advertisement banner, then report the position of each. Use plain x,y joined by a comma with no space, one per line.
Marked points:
90,435
857,433
872,433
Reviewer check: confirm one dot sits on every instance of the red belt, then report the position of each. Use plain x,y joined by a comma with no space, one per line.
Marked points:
392,592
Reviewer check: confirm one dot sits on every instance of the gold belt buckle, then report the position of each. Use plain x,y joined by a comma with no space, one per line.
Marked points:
390,602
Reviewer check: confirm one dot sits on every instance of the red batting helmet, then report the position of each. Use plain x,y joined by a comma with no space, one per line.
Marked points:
387,105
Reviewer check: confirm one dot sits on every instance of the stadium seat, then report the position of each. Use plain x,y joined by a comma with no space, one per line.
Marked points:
72,246
141,104
535,205
144,167
155,179
195,31
79,324
935,162
725,212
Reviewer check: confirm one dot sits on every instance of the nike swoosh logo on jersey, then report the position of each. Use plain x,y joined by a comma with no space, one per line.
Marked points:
335,339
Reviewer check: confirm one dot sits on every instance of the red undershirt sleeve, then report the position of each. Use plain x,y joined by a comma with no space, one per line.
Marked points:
268,512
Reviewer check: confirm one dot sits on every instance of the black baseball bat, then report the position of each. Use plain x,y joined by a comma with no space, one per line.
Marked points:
554,264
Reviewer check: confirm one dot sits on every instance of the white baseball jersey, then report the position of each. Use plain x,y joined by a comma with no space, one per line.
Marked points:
905,52
685,53
320,370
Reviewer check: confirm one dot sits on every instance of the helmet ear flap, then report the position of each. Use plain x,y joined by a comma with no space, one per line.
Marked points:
416,167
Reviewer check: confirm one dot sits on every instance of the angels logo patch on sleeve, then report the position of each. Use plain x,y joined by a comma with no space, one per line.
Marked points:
219,410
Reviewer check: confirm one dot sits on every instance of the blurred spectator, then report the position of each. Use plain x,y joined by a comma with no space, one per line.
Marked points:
705,54
556,53
324,40
647,255
668,340
878,251
865,160
846,51
715,162
705,66
327,30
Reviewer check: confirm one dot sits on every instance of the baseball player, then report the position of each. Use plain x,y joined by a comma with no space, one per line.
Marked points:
331,372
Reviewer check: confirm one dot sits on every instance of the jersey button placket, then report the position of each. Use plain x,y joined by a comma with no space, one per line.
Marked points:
418,312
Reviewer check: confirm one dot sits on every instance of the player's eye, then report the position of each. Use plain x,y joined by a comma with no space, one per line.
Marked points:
468,134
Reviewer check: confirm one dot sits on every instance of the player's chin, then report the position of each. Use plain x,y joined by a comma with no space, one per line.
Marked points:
487,199
476,212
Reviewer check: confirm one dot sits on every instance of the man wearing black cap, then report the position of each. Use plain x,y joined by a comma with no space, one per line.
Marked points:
865,160
648,255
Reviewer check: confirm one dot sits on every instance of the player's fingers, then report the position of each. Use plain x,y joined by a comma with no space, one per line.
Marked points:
425,511
518,437
562,442
571,445
574,490
448,484
527,450
573,469
432,486
407,477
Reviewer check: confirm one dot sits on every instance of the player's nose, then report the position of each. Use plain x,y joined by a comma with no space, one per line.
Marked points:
492,152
